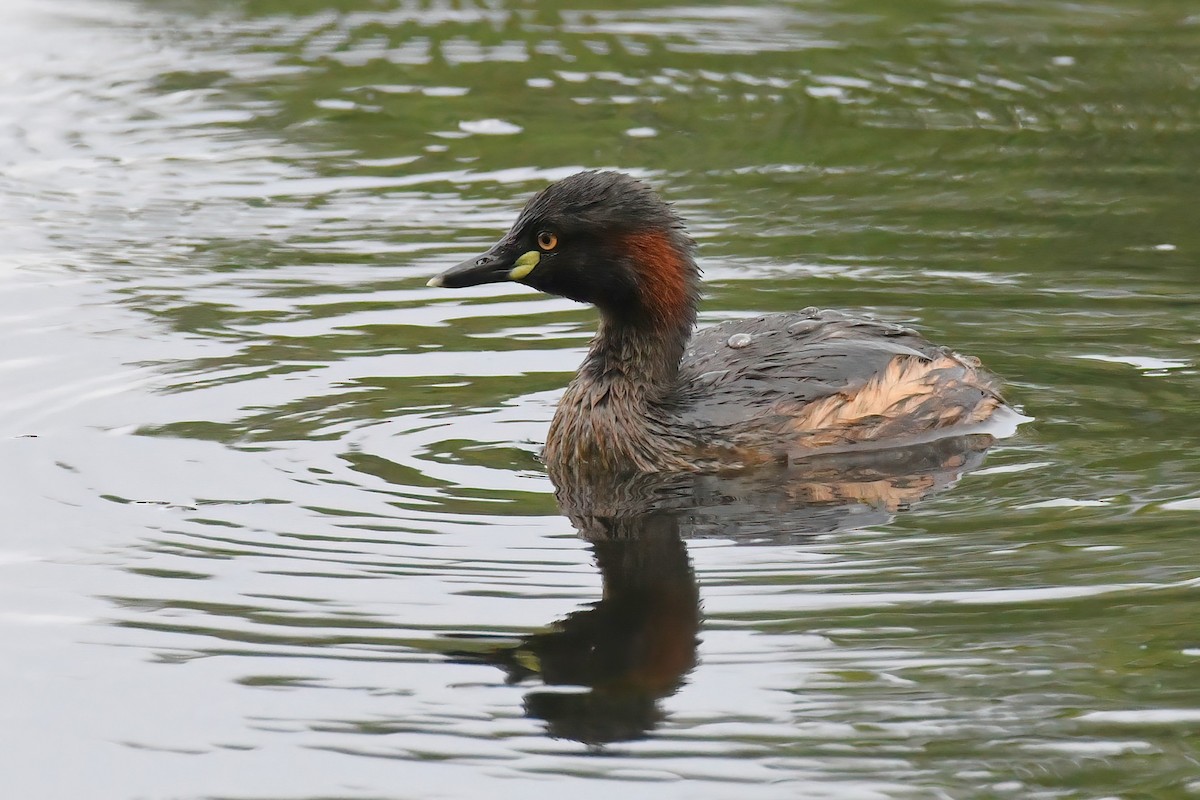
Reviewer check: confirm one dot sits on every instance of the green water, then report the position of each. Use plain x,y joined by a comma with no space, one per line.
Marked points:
273,520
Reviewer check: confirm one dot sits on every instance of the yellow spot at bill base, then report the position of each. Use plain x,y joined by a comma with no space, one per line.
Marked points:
525,265
529,660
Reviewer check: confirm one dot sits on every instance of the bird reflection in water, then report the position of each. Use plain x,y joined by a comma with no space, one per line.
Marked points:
635,646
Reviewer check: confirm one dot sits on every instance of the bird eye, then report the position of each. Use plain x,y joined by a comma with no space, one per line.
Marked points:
547,240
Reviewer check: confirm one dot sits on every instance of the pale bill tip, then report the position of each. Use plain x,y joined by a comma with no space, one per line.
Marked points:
435,282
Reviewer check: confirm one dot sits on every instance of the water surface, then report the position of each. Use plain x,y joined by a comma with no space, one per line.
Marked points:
274,523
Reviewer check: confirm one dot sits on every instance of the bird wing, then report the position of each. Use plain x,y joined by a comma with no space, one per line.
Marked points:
748,367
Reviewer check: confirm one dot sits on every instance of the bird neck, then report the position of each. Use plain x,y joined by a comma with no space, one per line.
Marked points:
643,359
640,342
613,414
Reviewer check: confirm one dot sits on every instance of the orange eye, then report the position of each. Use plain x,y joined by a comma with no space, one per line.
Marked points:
547,240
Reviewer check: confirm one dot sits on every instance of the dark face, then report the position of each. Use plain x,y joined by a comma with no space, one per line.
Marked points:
579,238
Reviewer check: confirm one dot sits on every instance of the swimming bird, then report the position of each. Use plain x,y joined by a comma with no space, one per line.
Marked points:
652,395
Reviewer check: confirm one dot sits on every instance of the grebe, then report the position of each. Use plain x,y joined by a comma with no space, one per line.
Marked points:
651,396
